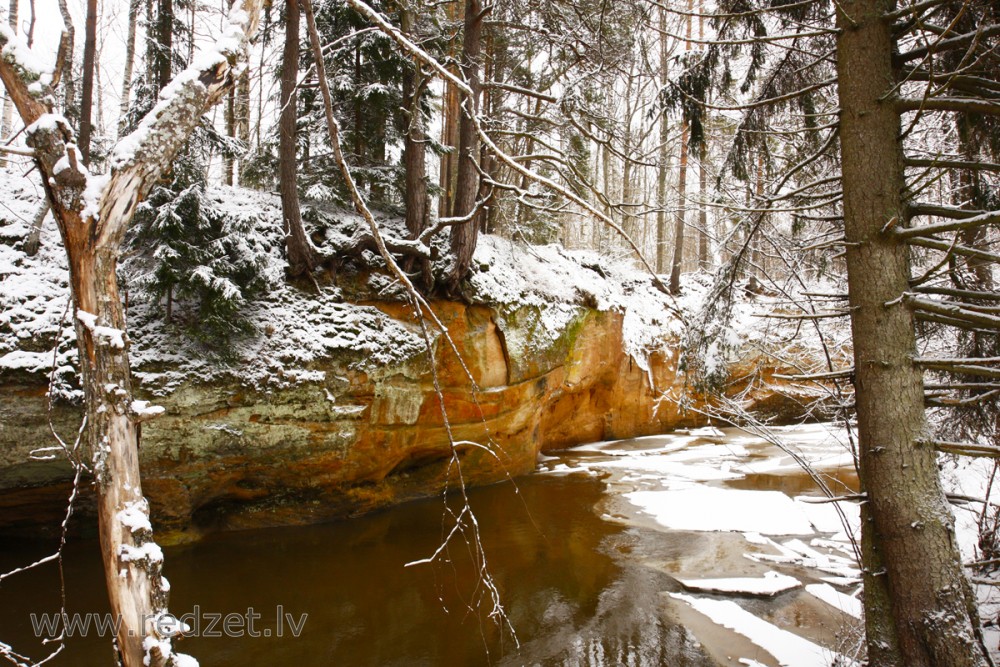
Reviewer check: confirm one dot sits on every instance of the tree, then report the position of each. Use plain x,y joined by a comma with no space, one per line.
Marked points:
680,223
465,234
921,611
133,18
919,606
92,214
301,256
7,119
87,103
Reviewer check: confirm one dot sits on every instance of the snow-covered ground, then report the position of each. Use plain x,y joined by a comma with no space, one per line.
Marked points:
291,329
781,540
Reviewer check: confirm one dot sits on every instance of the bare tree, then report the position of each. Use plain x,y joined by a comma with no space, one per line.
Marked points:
92,214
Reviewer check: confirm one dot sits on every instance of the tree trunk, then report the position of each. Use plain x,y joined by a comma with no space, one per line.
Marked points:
919,607
703,235
33,240
133,18
680,221
132,562
228,162
450,111
7,123
243,117
87,101
298,250
69,86
414,138
465,235
164,42
662,167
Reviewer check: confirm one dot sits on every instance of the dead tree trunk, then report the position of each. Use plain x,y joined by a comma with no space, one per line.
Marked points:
92,221
919,607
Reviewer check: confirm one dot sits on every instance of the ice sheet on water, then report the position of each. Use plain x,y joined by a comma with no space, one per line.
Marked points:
788,649
717,509
830,595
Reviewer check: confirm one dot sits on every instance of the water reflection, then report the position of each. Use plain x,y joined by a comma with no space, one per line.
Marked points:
572,592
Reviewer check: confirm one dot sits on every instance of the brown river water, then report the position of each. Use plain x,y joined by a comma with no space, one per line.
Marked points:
583,578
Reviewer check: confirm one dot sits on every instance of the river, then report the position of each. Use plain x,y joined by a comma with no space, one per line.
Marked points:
588,556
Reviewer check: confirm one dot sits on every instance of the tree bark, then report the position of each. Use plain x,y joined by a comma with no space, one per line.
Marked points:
680,221
243,116
7,123
87,100
229,162
69,86
92,239
663,166
919,607
164,42
465,235
703,236
704,242
414,138
298,250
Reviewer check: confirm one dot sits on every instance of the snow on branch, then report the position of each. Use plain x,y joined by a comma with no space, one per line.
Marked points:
25,75
140,158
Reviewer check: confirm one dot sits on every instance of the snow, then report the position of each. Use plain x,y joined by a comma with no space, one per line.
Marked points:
96,185
771,584
149,643
111,336
230,42
150,552
15,50
184,660
788,649
146,409
713,509
560,283
828,594
135,516
677,470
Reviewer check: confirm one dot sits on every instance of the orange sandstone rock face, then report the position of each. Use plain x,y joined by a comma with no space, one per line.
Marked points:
225,457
